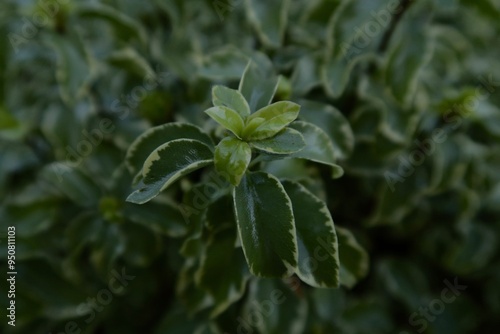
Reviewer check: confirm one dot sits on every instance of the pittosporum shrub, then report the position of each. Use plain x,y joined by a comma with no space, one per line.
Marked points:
177,166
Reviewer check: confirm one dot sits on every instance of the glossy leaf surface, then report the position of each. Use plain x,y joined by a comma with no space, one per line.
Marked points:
266,225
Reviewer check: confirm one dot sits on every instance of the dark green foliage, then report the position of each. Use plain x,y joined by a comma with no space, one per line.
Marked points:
246,128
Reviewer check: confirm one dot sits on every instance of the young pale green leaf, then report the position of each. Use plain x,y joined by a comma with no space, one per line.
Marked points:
318,148
257,86
353,258
232,157
285,142
228,118
146,143
270,120
316,238
168,163
230,98
266,226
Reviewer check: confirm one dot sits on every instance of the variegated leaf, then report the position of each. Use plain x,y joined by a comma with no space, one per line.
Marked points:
319,147
353,258
146,143
270,120
269,26
318,263
232,157
266,226
332,122
168,163
257,86
228,118
230,98
285,142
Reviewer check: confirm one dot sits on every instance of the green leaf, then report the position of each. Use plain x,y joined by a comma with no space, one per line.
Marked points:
142,245
285,142
473,252
228,118
73,67
488,9
269,19
369,315
7,121
409,52
179,54
316,238
83,229
353,258
72,183
146,143
132,62
398,124
188,292
109,246
226,63
59,126
403,280
347,43
176,319
291,169
270,120
330,120
306,74
61,303
16,156
266,227
29,219
257,86
232,157
217,216
162,218
319,147
219,255
168,163
125,27
230,98
279,308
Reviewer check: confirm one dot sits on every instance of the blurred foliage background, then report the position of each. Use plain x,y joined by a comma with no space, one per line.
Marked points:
417,87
